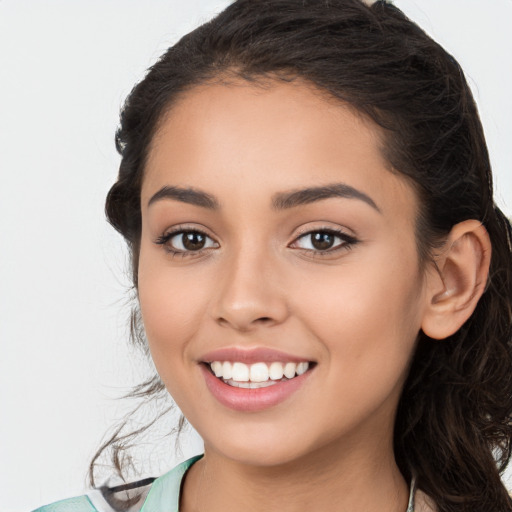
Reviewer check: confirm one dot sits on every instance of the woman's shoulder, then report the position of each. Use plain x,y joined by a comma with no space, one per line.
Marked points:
77,504
142,496
107,499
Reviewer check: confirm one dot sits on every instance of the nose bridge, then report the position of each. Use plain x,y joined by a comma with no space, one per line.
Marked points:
249,290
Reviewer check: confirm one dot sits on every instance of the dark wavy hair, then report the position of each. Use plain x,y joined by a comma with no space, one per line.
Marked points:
453,426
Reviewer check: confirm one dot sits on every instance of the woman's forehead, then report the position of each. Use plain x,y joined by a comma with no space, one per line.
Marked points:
223,138
285,121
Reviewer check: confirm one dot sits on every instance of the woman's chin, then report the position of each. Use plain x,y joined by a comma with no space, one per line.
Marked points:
262,452
270,448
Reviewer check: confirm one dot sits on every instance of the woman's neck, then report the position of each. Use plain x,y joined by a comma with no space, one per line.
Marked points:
357,480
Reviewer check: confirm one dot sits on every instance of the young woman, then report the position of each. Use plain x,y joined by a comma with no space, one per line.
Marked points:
324,280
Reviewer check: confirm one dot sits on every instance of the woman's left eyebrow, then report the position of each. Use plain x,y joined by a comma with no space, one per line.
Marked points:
285,200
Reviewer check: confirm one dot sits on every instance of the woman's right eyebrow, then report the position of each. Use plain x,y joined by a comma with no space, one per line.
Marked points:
186,195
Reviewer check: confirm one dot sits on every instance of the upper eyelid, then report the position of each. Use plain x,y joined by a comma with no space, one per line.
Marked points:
338,233
183,228
306,230
321,230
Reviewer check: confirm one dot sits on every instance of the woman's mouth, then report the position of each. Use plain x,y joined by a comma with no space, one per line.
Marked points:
257,375
251,385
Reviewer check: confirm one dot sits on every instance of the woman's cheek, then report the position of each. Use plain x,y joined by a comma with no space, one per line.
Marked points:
172,305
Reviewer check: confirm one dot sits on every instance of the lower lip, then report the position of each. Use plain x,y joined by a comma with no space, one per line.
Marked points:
251,400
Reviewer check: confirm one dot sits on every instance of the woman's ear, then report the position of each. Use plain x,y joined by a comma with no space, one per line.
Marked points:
457,279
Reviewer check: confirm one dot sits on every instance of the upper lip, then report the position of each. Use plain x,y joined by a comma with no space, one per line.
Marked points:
251,355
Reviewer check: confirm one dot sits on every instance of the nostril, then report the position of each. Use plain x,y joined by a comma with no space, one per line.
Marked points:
264,321
245,326
249,313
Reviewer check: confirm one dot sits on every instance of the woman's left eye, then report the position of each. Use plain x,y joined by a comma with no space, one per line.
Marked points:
324,240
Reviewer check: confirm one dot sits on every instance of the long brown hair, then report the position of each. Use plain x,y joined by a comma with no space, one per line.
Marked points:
453,425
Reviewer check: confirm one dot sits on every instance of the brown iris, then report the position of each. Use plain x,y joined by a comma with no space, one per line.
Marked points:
322,240
193,241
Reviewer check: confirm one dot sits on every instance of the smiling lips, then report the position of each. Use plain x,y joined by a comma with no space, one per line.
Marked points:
257,375
253,380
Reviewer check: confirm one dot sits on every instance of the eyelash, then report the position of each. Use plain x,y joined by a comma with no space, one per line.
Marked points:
347,242
167,237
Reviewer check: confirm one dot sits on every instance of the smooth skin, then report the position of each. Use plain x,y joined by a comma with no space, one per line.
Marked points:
254,276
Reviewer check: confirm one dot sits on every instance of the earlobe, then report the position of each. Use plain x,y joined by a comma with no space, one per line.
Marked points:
458,280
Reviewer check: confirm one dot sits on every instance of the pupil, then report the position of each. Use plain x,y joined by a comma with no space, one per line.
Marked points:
322,241
193,241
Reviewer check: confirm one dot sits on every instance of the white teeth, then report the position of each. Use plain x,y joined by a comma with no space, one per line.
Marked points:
226,370
302,368
217,368
289,370
251,385
258,372
276,371
238,374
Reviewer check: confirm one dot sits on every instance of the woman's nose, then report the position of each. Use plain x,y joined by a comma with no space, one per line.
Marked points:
250,294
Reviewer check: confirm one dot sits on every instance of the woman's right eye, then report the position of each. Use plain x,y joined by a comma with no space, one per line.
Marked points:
186,241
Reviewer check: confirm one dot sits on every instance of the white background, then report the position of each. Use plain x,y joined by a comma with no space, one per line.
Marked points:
65,68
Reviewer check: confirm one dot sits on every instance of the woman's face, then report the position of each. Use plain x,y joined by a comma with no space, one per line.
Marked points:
275,239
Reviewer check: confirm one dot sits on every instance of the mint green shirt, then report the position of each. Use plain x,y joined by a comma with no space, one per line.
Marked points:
163,496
